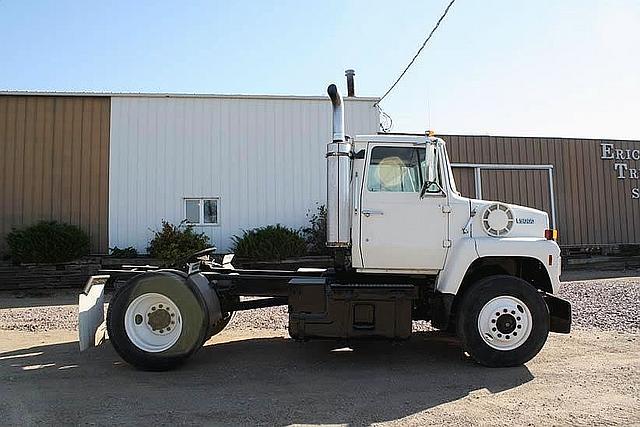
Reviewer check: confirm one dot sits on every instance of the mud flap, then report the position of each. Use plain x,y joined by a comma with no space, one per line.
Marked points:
91,323
559,314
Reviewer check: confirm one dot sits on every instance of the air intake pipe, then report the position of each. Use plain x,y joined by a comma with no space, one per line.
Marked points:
338,178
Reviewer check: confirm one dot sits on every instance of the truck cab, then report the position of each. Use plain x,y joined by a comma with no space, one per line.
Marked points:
408,216
393,210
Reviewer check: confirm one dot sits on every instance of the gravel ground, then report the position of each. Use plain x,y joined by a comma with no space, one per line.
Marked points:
610,304
605,304
251,374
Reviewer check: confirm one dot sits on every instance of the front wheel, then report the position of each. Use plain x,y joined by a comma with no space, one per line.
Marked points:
503,321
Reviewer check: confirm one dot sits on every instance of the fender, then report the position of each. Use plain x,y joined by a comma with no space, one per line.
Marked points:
543,250
468,250
459,258
210,297
199,285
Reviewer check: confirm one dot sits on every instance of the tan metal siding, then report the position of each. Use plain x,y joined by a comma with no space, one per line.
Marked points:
54,164
593,207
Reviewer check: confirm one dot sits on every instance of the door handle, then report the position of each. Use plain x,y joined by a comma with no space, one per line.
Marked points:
369,212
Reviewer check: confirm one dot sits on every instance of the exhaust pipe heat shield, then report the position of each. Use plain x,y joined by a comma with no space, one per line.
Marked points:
338,178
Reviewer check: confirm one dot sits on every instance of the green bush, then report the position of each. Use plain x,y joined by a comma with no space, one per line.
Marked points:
128,252
48,242
174,242
270,243
316,233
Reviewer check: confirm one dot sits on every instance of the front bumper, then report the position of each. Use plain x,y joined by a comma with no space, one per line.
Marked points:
559,314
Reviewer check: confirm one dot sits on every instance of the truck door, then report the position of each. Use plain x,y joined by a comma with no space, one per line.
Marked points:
399,230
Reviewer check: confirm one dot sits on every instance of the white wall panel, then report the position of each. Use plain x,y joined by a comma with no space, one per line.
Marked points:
263,157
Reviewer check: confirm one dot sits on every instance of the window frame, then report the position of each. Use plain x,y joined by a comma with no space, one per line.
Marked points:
201,201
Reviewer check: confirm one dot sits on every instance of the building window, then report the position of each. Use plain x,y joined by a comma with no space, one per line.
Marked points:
201,211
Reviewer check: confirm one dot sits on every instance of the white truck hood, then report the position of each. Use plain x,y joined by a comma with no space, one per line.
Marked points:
498,219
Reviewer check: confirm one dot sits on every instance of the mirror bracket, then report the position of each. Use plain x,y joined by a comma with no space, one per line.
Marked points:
426,185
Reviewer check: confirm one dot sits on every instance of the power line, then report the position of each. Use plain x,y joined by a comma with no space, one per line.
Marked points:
418,52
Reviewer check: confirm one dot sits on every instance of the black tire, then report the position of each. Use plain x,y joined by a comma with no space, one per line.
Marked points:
484,291
194,316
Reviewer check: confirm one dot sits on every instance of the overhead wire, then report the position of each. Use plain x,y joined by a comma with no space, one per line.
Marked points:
416,55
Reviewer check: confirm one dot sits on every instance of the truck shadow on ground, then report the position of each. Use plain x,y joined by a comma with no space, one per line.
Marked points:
274,381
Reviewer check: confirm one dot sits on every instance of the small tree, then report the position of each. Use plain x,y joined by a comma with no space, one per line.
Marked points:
174,242
128,252
316,233
48,242
273,242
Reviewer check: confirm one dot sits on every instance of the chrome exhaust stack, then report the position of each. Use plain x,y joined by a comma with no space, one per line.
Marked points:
338,178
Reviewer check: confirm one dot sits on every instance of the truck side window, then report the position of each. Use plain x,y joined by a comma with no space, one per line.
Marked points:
395,169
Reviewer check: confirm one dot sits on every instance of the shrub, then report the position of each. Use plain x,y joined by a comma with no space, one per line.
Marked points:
270,243
316,233
174,242
48,242
128,252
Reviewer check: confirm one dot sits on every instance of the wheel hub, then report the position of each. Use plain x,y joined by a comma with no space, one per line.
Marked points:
159,319
153,322
504,323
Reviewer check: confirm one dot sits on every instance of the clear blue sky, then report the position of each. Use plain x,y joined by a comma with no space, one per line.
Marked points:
548,68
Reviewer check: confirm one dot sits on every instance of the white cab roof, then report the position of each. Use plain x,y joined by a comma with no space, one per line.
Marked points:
399,138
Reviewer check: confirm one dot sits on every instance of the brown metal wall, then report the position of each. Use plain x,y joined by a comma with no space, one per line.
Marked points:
54,159
593,206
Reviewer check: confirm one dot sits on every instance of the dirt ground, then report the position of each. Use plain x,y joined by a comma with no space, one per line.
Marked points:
259,376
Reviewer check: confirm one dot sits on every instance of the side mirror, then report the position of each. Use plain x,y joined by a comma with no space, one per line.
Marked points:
430,187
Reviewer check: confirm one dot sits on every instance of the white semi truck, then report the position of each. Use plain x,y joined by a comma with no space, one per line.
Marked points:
407,246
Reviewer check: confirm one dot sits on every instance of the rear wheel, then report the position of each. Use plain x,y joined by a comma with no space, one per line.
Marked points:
503,321
157,320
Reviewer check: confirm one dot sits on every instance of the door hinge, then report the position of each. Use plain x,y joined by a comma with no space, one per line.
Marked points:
446,243
446,209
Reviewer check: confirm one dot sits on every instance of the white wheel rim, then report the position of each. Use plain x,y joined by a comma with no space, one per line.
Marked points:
505,323
153,322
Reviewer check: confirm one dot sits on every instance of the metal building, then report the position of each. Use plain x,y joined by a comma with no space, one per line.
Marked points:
596,192
118,164
226,162
54,159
